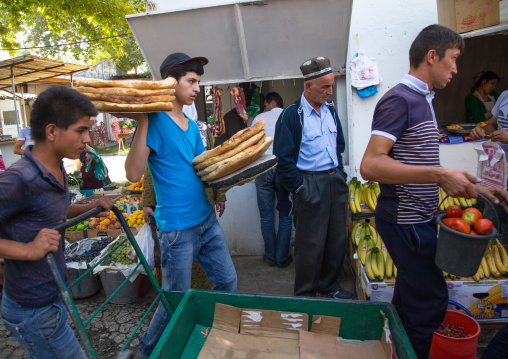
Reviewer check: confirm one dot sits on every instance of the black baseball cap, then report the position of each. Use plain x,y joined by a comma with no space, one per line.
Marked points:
176,59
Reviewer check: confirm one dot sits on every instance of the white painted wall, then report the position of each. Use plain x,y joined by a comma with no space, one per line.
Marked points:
386,30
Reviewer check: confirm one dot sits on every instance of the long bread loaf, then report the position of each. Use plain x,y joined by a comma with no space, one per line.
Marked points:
125,107
122,91
129,99
242,146
239,162
234,141
137,84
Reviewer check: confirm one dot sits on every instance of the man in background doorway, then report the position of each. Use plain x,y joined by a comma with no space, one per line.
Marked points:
267,185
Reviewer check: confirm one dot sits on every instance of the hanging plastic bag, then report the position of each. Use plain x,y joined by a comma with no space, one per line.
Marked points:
145,242
364,73
492,167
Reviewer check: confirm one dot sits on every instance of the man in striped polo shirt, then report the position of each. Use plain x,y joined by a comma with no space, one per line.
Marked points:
403,156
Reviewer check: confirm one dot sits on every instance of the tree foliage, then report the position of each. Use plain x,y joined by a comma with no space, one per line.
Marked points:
77,23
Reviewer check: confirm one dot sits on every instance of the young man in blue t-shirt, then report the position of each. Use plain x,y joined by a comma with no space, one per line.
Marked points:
187,227
34,197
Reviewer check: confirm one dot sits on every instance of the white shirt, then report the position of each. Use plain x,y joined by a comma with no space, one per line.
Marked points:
270,118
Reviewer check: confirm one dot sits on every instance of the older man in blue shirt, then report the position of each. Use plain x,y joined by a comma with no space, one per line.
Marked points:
309,143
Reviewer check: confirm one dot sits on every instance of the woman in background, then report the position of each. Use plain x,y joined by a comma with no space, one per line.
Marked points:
94,173
482,97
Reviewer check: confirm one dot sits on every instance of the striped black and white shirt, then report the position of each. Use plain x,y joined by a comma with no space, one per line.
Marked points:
405,115
500,110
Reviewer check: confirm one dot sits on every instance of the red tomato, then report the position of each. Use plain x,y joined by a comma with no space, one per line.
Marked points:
448,221
460,225
483,226
471,215
473,233
454,212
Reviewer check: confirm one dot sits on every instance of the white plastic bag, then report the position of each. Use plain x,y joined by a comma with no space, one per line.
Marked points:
145,243
492,167
364,71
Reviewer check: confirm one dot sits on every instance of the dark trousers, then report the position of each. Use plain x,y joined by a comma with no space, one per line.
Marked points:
421,294
321,234
498,346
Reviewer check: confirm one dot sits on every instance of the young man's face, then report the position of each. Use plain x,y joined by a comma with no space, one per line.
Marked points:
187,89
318,90
71,142
445,68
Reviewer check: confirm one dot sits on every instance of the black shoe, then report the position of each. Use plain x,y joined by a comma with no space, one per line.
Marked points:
269,262
340,294
286,263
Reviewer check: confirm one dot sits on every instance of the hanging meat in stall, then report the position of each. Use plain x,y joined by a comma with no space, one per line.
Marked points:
241,106
218,127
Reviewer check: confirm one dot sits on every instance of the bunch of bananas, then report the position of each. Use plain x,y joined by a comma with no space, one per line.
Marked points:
449,201
362,193
494,263
360,230
379,264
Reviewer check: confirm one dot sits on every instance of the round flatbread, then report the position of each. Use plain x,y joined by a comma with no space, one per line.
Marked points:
240,162
125,107
170,82
245,144
129,99
234,141
122,91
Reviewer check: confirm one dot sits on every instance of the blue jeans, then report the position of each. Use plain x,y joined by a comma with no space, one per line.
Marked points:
179,250
43,332
276,245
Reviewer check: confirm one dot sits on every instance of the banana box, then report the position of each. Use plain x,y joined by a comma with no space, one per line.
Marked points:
128,208
374,291
486,299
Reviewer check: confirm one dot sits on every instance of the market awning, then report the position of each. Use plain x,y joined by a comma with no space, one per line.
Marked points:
247,41
29,69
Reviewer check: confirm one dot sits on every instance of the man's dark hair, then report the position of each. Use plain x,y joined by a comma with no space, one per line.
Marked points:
61,106
434,37
274,96
180,70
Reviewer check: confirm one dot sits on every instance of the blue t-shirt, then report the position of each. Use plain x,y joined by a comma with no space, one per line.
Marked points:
181,199
31,199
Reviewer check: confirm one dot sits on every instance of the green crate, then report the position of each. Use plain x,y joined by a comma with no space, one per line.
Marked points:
361,320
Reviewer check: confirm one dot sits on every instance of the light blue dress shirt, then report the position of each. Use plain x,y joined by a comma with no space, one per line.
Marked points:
318,151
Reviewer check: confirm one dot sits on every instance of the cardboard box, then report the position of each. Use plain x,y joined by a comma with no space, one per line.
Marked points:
486,299
113,197
467,15
128,208
75,236
103,232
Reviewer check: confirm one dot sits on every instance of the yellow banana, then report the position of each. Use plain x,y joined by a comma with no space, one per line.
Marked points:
441,203
445,274
373,259
381,264
449,202
368,266
473,201
384,250
456,201
377,190
358,191
501,267
469,202
367,195
372,232
373,197
482,275
476,277
463,202
485,266
492,264
352,205
388,266
355,231
363,249
502,253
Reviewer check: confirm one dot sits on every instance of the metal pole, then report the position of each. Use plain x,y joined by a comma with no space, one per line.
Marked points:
14,98
23,103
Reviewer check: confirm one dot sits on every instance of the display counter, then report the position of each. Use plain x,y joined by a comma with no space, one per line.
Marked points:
461,156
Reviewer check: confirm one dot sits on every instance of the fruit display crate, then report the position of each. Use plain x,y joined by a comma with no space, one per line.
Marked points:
185,336
486,299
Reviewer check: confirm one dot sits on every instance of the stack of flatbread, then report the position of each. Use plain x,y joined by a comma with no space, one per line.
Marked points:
128,95
232,156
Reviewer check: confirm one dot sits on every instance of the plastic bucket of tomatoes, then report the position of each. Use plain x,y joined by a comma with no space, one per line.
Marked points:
459,252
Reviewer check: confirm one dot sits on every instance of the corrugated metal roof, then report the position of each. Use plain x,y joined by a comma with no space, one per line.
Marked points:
30,69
